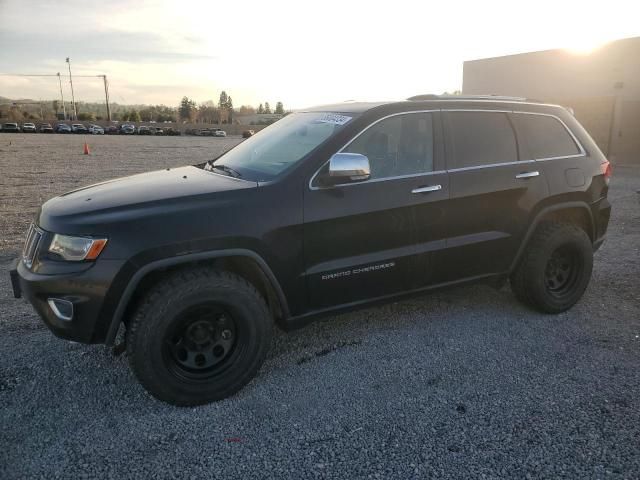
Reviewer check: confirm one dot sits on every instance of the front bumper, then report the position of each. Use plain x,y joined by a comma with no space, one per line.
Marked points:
85,290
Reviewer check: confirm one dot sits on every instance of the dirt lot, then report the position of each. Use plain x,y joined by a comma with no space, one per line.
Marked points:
465,383
36,167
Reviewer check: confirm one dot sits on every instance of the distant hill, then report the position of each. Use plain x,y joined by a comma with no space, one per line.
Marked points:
16,100
97,107
45,109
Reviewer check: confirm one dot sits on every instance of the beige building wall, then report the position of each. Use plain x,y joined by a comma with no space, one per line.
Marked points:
603,88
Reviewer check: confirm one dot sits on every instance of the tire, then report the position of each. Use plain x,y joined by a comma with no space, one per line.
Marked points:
555,268
198,336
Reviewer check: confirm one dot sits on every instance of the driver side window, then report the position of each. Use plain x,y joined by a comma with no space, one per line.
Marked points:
397,146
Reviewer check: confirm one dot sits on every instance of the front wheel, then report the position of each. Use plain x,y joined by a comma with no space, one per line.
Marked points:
199,336
555,268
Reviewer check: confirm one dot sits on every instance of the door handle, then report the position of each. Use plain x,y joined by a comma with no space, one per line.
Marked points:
431,188
528,174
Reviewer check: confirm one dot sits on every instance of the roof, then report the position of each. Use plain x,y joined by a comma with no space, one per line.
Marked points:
359,107
347,107
430,96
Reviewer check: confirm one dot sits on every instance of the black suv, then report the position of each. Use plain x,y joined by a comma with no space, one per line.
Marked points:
328,209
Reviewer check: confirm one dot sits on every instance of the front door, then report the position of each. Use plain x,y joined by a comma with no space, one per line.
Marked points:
360,239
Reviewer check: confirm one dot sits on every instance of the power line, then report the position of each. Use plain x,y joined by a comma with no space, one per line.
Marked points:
26,75
64,109
104,79
44,75
73,99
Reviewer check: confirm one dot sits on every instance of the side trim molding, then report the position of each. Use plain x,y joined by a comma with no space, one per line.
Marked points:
192,257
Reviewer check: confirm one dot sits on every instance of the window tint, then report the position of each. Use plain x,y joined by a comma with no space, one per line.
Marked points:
400,145
543,137
481,138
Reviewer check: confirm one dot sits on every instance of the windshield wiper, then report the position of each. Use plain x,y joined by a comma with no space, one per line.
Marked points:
228,170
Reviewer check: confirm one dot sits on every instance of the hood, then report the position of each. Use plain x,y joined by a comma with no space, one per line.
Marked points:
143,195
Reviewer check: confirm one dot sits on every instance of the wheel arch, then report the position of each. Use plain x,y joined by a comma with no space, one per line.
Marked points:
575,212
243,262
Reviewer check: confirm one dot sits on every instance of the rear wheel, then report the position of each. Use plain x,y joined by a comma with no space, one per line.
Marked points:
199,336
555,269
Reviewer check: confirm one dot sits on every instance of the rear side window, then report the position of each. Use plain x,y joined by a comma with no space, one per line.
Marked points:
396,146
480,138
542,136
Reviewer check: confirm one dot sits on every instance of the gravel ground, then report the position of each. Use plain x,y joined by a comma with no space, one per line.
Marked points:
465,383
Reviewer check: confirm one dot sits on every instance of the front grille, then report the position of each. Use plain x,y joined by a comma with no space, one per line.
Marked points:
34,235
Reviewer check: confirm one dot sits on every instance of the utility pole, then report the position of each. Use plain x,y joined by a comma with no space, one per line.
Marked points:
73,99
64,109
106,96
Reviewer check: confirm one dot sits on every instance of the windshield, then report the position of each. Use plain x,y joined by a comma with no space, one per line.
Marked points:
276,148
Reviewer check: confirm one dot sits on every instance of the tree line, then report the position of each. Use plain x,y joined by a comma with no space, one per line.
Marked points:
223,112
188,110
279,110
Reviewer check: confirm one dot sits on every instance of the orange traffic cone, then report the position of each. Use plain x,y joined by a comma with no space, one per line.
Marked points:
86,149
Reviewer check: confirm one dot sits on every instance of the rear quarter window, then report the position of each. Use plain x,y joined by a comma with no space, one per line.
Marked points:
543,136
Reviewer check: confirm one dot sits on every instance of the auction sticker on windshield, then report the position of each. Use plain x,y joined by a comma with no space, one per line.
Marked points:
334,118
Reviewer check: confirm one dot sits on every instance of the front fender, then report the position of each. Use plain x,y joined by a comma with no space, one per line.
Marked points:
141,272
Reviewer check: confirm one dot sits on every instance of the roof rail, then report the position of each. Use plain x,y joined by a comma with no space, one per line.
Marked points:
431,96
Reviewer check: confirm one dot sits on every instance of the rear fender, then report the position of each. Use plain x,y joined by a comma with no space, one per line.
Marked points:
540,216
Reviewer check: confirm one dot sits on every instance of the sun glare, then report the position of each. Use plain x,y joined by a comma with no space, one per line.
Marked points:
585,46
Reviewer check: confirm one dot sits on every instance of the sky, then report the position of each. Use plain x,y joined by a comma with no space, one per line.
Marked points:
299,52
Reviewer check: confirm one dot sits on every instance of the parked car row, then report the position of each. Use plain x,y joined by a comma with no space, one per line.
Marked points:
13,127
47,128
128,129
206,132
152,130
73,128
123,129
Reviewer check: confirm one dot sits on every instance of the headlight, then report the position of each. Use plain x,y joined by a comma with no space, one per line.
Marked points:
76,249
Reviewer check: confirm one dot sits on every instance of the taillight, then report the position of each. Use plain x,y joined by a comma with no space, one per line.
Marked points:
606,170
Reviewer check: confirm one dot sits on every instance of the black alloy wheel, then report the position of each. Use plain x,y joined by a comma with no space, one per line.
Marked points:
555,268
562,271
198,336
203,338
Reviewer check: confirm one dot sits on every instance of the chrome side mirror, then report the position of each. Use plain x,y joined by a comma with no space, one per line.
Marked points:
348,168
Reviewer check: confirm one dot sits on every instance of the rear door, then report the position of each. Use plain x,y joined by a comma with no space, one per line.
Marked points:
493,192
360,240
560,157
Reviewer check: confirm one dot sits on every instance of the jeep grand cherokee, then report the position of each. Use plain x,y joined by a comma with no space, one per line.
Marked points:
328,209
